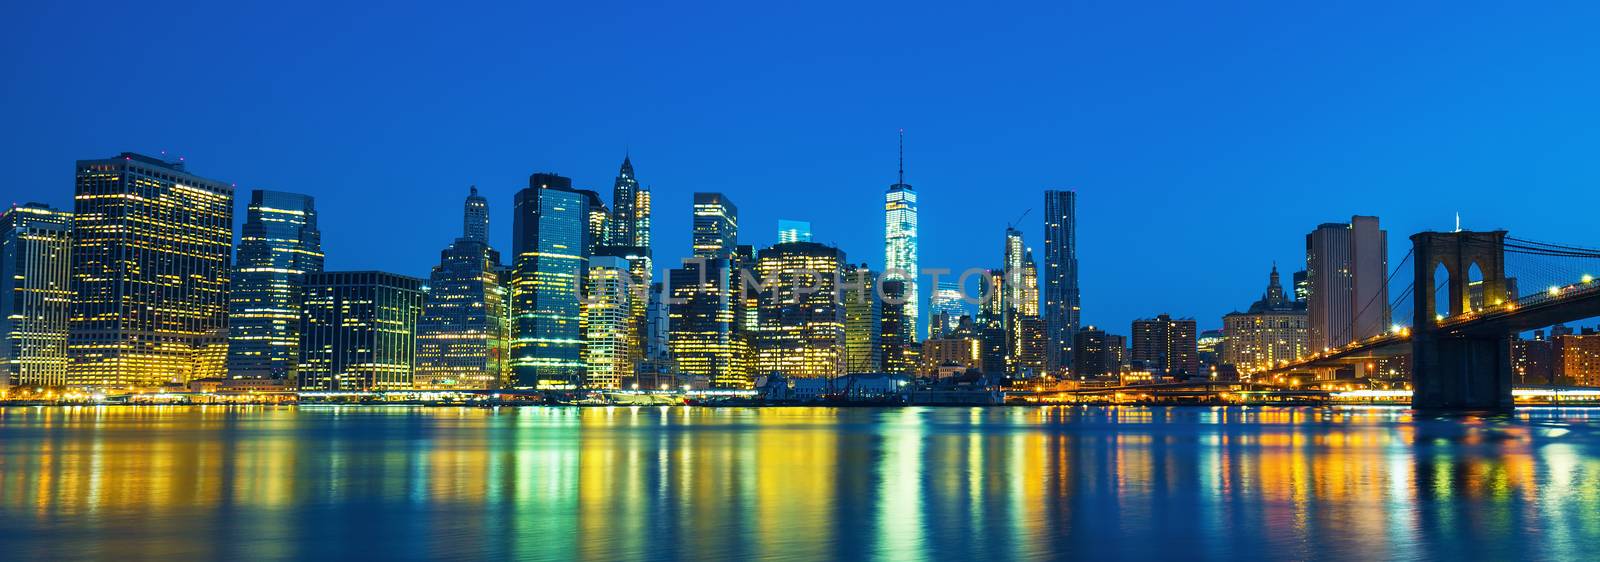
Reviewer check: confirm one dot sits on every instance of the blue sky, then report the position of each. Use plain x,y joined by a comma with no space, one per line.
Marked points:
1204,138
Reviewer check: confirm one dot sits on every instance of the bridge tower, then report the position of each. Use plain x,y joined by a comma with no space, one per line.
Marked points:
1455,370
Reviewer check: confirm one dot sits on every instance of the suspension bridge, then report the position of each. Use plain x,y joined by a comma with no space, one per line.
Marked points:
1479,290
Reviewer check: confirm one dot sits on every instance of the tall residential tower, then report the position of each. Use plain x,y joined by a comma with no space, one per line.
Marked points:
1060,277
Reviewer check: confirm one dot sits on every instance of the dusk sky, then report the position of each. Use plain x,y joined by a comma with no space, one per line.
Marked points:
1204,139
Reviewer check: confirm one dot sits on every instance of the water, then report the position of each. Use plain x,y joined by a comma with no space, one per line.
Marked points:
795,483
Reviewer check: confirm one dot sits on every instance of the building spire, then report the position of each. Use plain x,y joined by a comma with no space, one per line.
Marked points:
902,179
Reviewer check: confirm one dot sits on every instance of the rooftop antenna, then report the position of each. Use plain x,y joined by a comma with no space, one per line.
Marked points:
1458,221
902,179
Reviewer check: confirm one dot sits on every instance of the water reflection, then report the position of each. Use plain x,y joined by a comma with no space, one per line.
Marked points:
895,484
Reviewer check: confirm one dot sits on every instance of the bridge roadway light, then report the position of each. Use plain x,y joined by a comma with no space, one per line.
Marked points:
1555,291
1587,279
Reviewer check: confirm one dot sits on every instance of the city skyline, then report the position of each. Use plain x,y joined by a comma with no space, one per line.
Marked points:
1146,131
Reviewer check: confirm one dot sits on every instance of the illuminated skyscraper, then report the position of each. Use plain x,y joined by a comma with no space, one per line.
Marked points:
863,313
703,335
894,338
608,323
946,302
1029,346
641,220
802,321
278,245
900,241
359,330
475,217
35,289
1061,308
626,217
598,225
551,228
793,231
462,338
716,226
152,248
1347,266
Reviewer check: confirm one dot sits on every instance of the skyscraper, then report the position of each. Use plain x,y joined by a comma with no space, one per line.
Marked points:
716,226
475,217
863,314
608,323
1167,345
462,337
801,332
894,339
1346,269
625,216
948,300
900,241
551,231
598,221
1094,356
152,247
1061,309
35,289
278,245
793,231
702,314
359,330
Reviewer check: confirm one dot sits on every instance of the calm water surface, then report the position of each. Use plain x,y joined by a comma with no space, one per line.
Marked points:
796,483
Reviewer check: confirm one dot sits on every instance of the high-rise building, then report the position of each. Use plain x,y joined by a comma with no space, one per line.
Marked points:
1346,272
1302,286
863,314
359,330
278,245
35,292
1578,358
1093,356
793,231
475,217
1061,310
608,323
1167,345
152,248
958,347
900,241
641,220
801,333
1273,329
637,282
947,302
1031,337
463,337
894,335
1533,359
598,220
991,324
705,312
551,233
625,215
716,226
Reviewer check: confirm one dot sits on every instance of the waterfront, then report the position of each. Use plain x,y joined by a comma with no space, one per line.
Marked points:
795,483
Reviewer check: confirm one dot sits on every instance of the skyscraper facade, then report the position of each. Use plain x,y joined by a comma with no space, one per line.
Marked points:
1061,306
704,314
863,314
278,245
801,333
1346,272
608,323
35,291
550,234
1094,357
152,248
463,335
947,302
598,221
900,242
359,330
894,337
625,203
1168,345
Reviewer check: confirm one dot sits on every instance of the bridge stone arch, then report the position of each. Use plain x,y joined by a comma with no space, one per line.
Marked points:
1453,370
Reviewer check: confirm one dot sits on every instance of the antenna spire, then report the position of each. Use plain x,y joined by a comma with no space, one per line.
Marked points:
902,179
